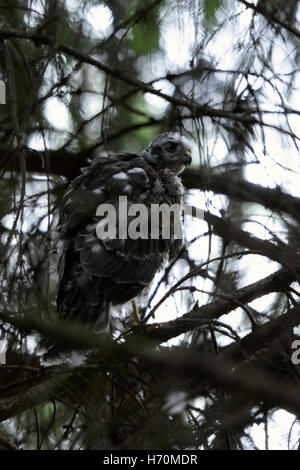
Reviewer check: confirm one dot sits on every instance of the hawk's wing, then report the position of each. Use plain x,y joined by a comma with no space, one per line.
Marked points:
95,272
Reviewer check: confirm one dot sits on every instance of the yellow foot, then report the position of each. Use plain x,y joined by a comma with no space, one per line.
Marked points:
135,312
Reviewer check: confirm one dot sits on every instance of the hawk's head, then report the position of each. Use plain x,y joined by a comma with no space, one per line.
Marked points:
169,151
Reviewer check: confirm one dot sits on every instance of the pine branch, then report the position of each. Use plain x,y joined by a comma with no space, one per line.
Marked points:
197,110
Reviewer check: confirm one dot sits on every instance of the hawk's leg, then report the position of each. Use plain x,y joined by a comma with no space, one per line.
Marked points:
135,312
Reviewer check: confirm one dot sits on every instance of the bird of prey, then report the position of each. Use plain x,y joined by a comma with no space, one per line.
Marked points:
94,273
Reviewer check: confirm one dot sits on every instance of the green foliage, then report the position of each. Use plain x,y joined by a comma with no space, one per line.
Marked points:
210,9
146,32
145,37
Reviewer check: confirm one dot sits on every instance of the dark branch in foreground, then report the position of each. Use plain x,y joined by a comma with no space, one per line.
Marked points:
68,164
54,382
241,190
200,316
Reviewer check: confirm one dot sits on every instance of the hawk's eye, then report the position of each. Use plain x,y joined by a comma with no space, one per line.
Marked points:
171,147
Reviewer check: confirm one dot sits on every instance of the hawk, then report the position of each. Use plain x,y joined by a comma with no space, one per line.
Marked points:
96,273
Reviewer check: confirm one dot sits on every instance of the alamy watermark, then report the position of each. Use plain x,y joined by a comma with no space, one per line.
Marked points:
2,352
138,221
295,358
2,92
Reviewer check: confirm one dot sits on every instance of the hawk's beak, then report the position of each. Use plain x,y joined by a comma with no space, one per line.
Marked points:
187,160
